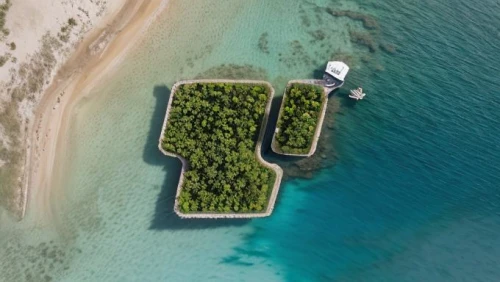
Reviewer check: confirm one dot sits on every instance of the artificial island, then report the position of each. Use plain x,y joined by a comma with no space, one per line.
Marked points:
216,129
300,118
303,110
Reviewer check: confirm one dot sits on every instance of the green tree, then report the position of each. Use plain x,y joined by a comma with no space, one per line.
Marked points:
299,117
215,127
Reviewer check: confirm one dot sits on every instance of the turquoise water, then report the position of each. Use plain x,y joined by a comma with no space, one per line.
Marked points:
414,194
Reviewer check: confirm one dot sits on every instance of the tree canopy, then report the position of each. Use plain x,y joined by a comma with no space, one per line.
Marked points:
299,118
215,127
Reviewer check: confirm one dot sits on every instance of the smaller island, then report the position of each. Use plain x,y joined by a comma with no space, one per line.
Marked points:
300,118
216,127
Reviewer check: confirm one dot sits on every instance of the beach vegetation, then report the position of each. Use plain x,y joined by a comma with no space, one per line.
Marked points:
3,60
215,127
298,118
72,22
34,74
66,30
4,8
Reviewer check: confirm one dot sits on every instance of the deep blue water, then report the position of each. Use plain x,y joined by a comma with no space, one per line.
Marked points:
415,195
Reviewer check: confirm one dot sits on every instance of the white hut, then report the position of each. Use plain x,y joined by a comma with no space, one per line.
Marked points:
335,73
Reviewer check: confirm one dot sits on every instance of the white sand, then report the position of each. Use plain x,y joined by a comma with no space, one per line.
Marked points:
96,57
29,20
104,31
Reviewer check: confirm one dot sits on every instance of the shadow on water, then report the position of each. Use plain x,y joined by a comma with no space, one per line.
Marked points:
345,101
271,125
151,154
267,152
164,217
318,72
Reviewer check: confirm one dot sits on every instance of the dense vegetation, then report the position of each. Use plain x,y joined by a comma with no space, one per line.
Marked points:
298,118
4,8
215,126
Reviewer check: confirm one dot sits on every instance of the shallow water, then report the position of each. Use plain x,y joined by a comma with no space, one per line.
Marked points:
414,194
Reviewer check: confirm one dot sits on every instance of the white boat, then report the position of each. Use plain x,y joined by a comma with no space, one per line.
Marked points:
357,94
335,73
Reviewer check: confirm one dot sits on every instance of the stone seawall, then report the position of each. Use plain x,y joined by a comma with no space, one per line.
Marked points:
185,164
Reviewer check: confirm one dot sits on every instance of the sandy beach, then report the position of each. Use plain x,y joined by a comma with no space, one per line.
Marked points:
36,40
96,56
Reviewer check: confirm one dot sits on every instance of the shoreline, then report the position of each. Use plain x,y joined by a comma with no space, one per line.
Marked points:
258,146
96,56
319,126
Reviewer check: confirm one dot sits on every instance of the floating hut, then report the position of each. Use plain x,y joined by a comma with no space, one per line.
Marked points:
335,74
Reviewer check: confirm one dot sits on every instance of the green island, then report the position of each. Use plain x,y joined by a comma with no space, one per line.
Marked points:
215,128
300,118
